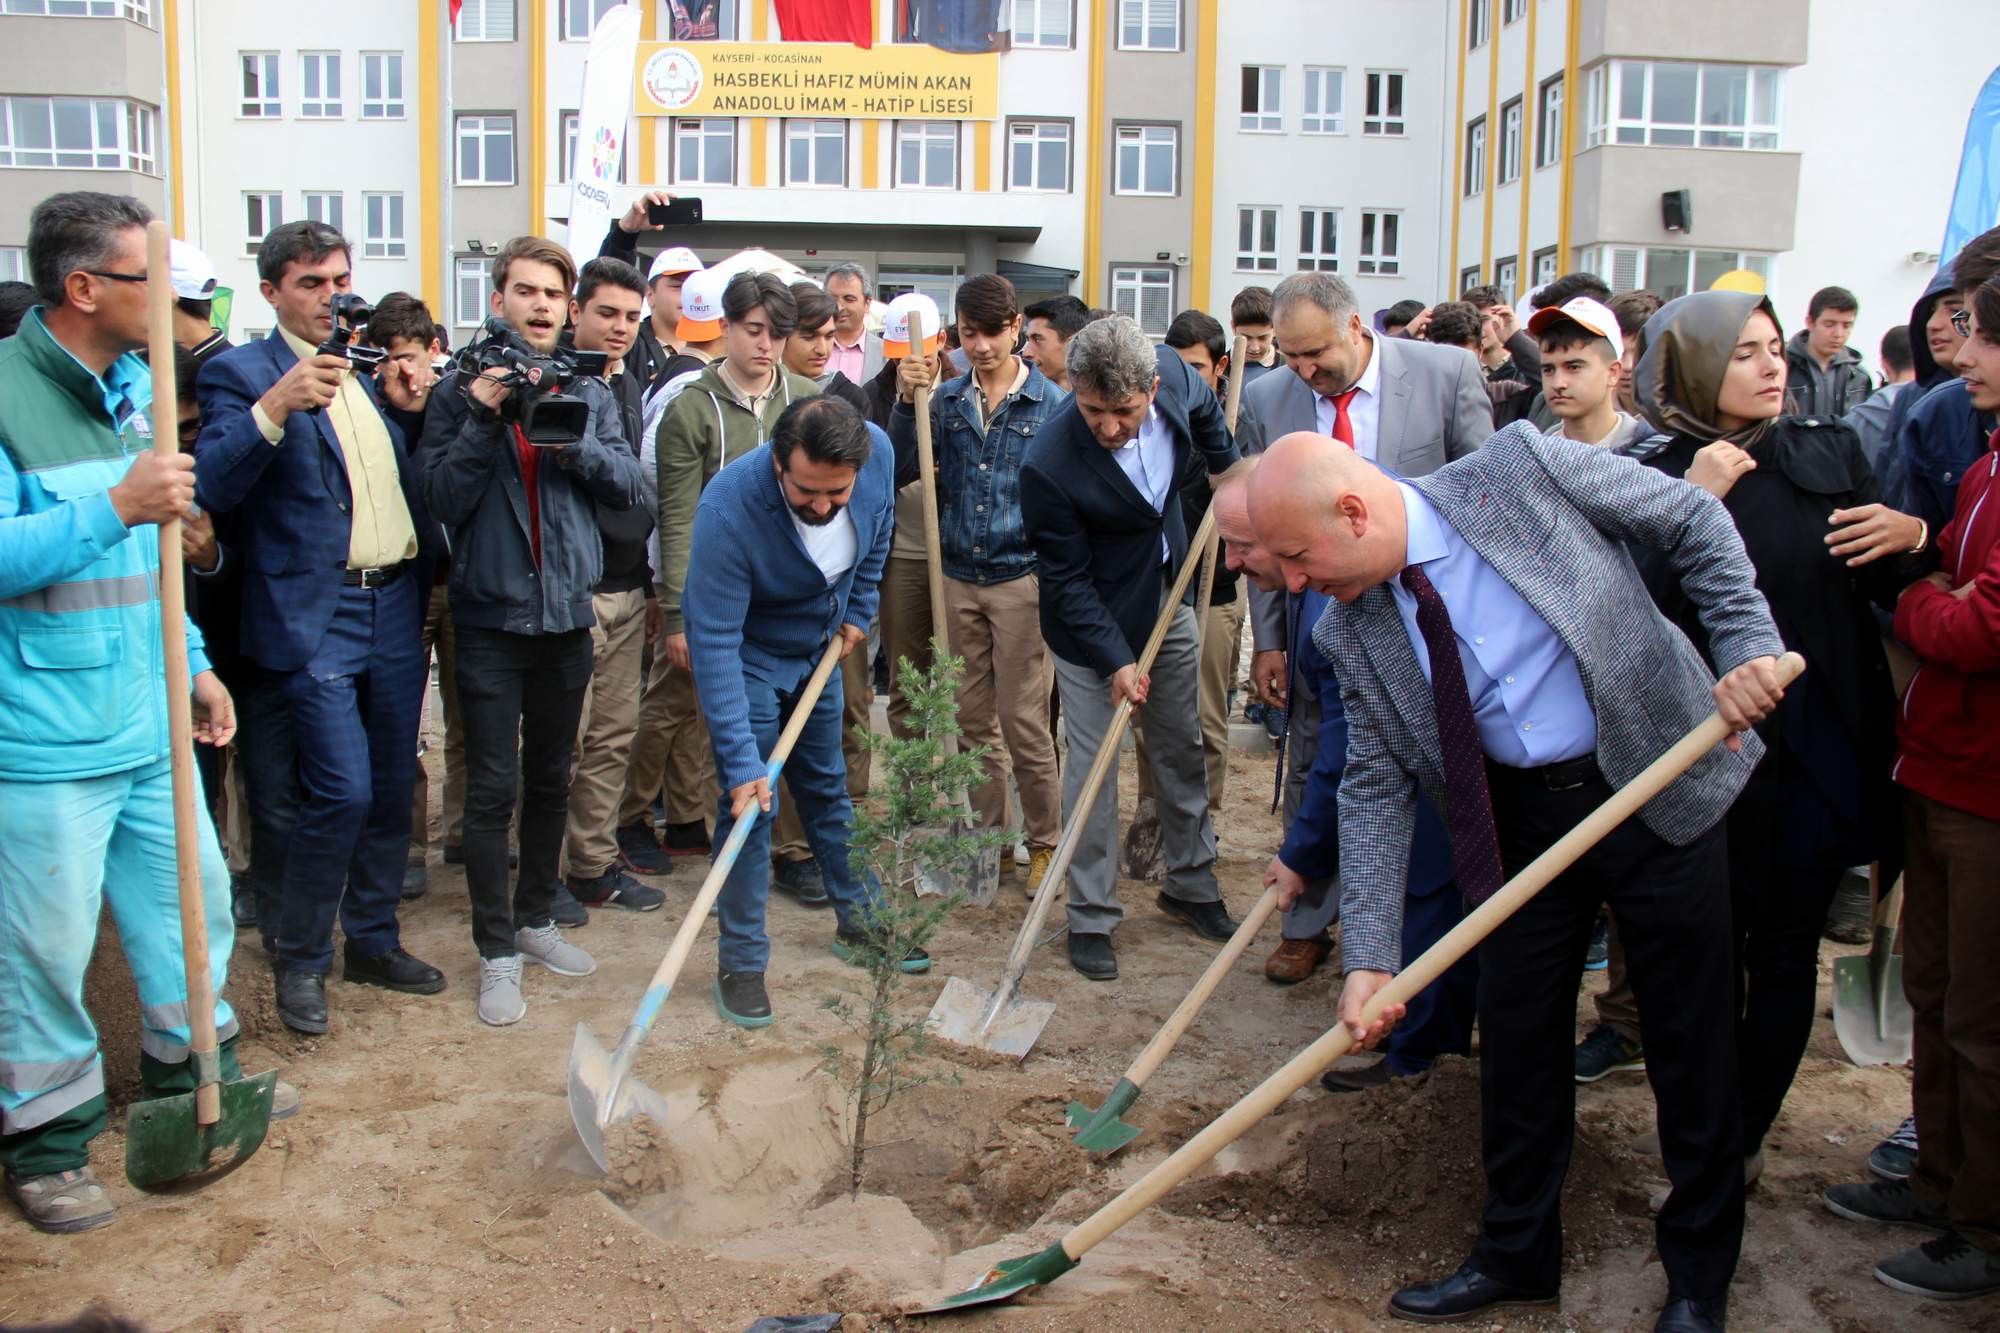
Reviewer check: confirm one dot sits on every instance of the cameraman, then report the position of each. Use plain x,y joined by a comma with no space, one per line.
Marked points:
326,512
526,556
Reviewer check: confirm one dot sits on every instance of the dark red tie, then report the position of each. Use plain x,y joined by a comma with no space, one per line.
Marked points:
1343,424
1475,847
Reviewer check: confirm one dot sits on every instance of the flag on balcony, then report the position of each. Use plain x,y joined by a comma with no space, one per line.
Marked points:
456,5
826,21
964,26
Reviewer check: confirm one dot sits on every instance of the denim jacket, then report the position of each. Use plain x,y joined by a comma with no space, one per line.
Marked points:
980,527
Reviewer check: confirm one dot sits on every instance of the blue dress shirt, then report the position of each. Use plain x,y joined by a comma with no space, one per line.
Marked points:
1527,695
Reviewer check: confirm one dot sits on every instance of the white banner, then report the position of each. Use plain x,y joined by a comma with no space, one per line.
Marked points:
602,113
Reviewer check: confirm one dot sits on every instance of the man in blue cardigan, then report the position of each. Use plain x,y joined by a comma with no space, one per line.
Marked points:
787,552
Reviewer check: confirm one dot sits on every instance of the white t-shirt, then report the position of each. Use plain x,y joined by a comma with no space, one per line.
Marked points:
834,546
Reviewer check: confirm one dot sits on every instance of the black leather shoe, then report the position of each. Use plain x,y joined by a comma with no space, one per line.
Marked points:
1689,1316
416,881
1462,1295
800,880
1211,921
1092,956
302,1001
242,903
1357,1080
394,970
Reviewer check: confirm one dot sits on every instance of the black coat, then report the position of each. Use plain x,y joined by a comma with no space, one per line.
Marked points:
1096,539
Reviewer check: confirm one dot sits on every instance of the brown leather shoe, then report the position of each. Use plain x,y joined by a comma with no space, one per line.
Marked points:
1294,960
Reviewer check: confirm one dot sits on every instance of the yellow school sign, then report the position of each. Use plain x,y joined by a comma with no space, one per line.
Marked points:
829,79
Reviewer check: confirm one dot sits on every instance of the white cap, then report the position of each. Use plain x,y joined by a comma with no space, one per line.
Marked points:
896,324
1593,315
193,277
674,259
701,306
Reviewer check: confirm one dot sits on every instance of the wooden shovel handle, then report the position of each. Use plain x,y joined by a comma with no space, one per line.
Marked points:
1205,590
1403,987
180,689
1163,1043
927,473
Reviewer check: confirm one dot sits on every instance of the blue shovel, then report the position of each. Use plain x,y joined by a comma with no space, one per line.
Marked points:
601,1088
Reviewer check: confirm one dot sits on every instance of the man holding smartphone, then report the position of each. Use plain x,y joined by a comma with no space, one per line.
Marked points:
658,341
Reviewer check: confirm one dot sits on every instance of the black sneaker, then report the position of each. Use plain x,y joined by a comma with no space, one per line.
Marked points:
1890,1202
1598,956
565,910
640,851
1092,955
615,888
740,998
1210,920
800,880
689,839
1605,1052
1948,1268
854,948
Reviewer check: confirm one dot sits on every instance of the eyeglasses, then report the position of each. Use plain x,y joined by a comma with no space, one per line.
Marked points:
113,277
1961,323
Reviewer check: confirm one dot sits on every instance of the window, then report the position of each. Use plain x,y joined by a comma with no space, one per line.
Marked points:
1145,294
382,227
76,133
1319,239
1513,11
1468,278
13,262
486,150
1043,23
319,85
1479,25
1326,94
1545,266
1549,123
262,210
1510,141
1263,98
1475,157
1257,240
473,278
260,85
328,206
1675,104
1148,159
1507,277
1667,271
1149,25
568,159
1038,155
381,85
927,154
139,11
1384,112
815,152
486,21
705,152
579,17
1381,243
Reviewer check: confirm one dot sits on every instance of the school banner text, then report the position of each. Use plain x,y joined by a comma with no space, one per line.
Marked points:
829,79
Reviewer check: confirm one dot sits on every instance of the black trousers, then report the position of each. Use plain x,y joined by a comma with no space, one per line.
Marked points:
1672,905
521,696
1780,912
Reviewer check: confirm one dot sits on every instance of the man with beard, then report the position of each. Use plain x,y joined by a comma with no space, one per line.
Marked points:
790,540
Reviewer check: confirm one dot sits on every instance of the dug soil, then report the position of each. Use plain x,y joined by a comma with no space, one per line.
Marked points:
433,1180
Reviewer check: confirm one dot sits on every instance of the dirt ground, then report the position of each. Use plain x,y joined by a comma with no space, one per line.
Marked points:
433,1181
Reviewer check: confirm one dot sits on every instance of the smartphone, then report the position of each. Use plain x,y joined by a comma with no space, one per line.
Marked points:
679,213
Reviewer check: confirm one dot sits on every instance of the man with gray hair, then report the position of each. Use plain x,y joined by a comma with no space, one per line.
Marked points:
856,353
1100,496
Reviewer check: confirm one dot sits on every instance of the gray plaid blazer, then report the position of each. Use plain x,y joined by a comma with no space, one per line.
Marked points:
1551,517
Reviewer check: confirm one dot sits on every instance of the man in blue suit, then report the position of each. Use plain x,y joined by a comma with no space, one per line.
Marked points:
327,514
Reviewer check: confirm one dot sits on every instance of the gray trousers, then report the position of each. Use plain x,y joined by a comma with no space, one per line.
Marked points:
1319,905
1180,782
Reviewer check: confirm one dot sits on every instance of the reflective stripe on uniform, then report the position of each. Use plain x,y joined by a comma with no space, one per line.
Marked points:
87,595
85,1080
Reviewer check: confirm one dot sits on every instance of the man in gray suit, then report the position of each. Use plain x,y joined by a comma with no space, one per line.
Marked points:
1407,406
1498,649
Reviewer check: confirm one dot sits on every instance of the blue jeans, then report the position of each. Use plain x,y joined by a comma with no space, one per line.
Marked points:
816,776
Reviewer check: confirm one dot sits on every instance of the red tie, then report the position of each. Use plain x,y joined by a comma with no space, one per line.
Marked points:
1343,424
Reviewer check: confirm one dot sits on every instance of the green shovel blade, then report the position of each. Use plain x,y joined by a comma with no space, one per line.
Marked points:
1102,1130
167,1150
1010,1278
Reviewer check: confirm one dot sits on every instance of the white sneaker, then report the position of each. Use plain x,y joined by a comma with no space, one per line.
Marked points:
500,1001
546,945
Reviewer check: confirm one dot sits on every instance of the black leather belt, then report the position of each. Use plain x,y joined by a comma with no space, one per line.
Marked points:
1567,775
372,578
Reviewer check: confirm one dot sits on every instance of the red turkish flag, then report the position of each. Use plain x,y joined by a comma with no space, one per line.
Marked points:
826,21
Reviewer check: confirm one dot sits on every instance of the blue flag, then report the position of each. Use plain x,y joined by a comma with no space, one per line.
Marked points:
1975,203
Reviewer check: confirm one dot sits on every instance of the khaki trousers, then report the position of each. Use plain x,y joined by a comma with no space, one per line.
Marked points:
905,621
788,836
670,751
439,641
605,733
1221,651
1004,697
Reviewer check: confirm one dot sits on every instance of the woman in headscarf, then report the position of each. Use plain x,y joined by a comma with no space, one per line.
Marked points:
1712,376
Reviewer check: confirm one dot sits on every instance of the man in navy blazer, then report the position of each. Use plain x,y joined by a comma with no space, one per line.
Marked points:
327,517
1100,497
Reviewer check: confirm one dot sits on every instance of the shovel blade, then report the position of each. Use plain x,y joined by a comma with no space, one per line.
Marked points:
960,1016
1870,1014
594,1105
1105,1130
168,1150
975,877
1008,1279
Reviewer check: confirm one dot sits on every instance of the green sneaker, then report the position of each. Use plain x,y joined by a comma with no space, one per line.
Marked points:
740,999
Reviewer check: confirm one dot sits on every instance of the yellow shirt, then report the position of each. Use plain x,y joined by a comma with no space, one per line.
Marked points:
382,533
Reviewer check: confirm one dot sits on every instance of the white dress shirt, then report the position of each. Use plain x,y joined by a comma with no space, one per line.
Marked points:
1364,410
1147,460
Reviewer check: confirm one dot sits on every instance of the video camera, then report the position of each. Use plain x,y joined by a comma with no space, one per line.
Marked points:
539,402
351,314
